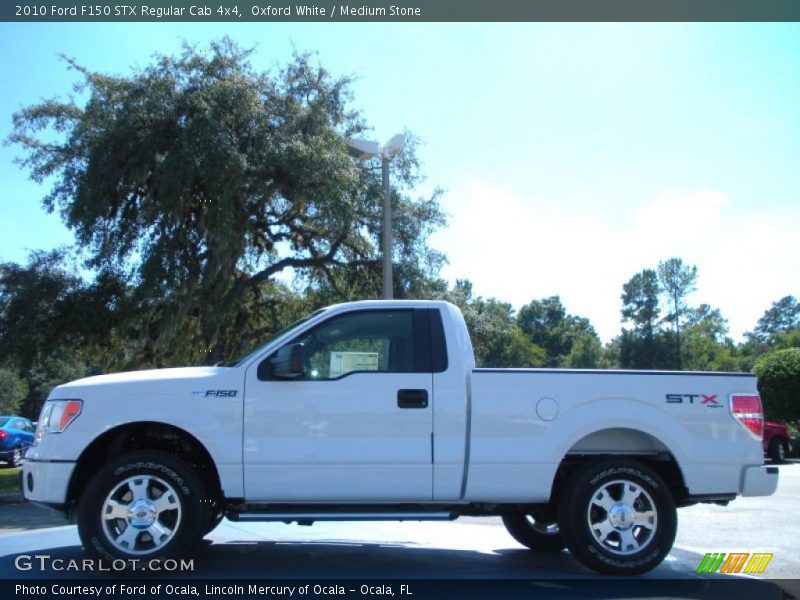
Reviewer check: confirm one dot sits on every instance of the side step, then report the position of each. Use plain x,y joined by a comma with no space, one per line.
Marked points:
307,516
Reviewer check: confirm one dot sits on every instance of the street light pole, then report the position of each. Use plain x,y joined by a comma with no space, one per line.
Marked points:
368,149
388,287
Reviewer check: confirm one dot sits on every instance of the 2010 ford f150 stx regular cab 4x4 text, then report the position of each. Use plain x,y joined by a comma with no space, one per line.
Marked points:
375,410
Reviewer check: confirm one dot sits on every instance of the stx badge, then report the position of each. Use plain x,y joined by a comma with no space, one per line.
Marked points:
710,401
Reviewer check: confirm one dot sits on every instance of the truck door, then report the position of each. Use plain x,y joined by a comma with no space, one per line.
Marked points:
355,425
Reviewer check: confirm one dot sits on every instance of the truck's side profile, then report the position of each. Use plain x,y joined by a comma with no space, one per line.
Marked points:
375,410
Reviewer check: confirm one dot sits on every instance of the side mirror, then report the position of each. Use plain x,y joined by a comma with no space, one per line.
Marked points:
288,362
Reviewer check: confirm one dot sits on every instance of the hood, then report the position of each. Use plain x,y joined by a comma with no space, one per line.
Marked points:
183,373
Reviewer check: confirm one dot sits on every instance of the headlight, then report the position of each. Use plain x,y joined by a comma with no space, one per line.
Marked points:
56,416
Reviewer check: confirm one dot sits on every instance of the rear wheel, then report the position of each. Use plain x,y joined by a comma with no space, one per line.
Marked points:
536,535
144,505
617,517
777,450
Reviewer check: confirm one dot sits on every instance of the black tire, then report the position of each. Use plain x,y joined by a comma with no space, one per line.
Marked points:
150,475
16,458
629,538
214,519
539,537
778,450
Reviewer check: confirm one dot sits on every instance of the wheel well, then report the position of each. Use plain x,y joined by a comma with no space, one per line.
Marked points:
146,435
623,443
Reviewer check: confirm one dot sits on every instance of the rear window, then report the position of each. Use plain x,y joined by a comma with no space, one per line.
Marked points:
3,421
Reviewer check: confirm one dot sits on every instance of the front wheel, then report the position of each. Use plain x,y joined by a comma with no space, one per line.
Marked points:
144,505
214,519
618,517
535,535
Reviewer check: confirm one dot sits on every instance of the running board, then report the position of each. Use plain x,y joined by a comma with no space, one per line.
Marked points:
341,516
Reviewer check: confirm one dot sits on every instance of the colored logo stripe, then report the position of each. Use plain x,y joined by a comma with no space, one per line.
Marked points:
710,563
758,563
734,562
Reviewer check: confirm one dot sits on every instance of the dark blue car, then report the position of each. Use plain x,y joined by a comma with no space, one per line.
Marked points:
16,434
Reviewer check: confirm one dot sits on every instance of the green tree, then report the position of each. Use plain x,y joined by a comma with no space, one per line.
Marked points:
706,345
496,339
777,329
60,366
45,305
677,281
787,339
549,326
779,384
638,347
520,351
782,316
14,391
586,352
200,179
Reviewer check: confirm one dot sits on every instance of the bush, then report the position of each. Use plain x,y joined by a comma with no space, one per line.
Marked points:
779,384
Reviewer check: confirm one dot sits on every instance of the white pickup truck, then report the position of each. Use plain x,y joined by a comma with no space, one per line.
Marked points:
375,410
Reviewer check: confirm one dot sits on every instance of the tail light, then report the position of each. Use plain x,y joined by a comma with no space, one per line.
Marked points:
56,416
746,408
3,434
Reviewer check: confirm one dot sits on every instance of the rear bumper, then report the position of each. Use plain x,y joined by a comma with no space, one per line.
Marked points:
759,481
46,482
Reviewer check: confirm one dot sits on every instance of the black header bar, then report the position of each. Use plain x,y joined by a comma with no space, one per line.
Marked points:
238,11
732,588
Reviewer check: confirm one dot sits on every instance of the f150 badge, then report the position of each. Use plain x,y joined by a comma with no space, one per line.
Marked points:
216,393
710,401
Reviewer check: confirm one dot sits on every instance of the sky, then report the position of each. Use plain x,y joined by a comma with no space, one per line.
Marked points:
571,155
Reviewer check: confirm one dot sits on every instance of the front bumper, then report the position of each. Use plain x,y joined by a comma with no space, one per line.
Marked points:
759,481
46,482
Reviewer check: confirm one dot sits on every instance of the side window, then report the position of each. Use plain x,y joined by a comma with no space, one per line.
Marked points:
376,340
19,425
29,427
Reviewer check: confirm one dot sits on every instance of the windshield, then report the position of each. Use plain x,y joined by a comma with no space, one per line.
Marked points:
242,359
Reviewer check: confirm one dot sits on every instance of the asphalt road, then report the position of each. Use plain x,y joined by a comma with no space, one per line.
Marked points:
465,549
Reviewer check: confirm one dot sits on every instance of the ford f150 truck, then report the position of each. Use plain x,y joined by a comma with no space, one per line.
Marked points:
375,410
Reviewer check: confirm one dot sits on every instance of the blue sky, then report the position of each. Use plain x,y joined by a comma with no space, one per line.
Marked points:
572,155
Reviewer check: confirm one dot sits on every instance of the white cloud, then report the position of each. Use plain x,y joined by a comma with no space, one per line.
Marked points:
518,249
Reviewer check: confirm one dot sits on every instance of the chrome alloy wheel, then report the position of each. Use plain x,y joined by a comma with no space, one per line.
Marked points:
141,514
622,517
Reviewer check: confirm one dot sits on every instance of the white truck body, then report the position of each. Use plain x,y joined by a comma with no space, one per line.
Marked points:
479,437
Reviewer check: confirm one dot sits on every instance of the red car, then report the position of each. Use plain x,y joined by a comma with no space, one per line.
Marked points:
776,441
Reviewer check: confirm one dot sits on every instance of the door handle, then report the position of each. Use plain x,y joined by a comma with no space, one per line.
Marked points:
412,398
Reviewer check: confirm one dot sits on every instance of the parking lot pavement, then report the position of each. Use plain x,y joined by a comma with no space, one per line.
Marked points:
770,524
17,516
401,552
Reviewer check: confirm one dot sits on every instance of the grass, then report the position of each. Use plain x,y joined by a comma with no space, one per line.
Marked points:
9,481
